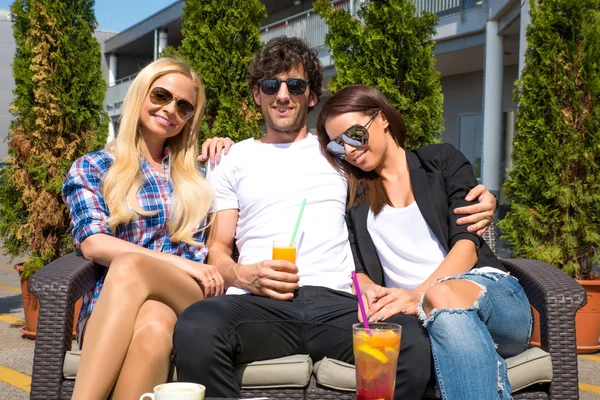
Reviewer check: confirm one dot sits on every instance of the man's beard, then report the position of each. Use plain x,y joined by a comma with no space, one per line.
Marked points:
286,124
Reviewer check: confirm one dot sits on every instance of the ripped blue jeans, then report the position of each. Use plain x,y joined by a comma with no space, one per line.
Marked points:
469,344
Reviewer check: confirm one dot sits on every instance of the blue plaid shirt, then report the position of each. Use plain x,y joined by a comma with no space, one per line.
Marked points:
83,195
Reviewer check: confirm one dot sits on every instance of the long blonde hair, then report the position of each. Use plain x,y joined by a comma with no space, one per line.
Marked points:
192,196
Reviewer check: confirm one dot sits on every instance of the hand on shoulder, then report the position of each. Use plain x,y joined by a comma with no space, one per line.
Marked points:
214,148
479,215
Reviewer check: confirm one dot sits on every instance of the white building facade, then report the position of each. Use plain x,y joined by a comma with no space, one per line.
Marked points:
479,52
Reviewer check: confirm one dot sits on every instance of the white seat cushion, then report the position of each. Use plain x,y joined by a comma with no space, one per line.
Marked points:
284,372
530,367
335,374
71,364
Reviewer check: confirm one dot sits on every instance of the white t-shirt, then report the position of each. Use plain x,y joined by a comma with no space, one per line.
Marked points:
267,183
407,248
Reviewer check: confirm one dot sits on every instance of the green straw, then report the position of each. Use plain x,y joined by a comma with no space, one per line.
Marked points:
297,223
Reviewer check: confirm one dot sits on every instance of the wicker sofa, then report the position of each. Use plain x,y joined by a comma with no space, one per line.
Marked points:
556,296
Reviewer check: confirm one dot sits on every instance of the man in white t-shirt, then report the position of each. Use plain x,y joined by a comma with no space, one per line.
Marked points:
284,308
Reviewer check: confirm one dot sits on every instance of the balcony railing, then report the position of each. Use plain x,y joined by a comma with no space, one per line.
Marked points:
444,8
310,27
306,25
116,93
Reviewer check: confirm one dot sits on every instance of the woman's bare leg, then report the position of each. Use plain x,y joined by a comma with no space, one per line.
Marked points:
132,279
149,355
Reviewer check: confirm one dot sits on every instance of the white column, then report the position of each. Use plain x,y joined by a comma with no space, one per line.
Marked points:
111,131
525,20
509,123
155,44
163,40
492,111
112,69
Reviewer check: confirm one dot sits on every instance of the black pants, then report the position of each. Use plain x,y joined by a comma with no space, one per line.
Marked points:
215,334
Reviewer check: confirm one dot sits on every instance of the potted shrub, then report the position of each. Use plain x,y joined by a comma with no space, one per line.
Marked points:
554,187
389,45
58,116
219,41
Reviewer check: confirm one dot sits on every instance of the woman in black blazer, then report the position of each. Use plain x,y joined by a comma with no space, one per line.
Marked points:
412,257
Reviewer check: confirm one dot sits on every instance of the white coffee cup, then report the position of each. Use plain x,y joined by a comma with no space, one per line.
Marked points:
176,391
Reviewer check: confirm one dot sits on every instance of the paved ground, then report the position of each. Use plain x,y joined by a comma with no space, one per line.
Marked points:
16,352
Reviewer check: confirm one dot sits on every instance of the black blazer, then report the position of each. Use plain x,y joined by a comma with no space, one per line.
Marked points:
440,177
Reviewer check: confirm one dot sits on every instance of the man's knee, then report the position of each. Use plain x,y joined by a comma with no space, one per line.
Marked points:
202,323
196,320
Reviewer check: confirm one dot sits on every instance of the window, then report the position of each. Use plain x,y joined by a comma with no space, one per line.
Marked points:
470,140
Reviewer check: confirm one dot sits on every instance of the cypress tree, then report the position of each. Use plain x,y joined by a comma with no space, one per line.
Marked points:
553,189
57,117
389,47
220,38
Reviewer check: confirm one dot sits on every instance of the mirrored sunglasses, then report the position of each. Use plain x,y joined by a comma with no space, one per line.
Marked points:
162,97
357,135
295,86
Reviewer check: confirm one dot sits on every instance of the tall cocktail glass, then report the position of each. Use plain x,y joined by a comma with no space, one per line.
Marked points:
375,357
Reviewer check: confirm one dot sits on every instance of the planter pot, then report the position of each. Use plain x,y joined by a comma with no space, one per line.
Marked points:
587,321
31,307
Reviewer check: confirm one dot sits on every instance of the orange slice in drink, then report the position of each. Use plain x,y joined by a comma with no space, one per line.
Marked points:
373,353
391,352
361,338
384,339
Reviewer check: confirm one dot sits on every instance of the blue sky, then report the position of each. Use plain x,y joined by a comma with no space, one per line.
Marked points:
118,15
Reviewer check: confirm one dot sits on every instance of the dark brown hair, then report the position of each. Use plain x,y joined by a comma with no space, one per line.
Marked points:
367,100
280,55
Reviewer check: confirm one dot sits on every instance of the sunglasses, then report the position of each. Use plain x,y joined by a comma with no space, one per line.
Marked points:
295,86
162,97
357,135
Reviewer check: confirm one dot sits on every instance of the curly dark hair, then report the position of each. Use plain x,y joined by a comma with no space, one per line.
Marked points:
283,53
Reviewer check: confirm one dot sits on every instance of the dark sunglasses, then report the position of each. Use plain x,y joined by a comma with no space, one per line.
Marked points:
295,86
357,135
162,97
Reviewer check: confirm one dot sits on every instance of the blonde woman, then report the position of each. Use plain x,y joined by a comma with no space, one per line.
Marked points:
139,208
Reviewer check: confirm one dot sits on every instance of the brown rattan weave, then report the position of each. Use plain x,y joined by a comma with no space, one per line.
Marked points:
59,284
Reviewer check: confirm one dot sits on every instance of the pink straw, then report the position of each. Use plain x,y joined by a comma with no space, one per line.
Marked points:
361,306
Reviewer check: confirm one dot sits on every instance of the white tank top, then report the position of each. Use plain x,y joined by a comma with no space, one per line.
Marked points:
408,250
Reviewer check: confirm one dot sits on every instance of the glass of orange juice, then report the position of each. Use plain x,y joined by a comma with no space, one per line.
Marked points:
284,249
375,357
